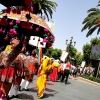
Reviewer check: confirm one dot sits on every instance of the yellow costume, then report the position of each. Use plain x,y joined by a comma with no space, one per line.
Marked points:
8,47
55,64
42,78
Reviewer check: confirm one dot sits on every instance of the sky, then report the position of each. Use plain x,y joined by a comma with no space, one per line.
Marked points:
68,20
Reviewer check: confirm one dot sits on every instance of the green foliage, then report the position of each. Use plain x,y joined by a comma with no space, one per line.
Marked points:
78,59
45,7
86,52
72,51
90,22
53,53
87,49
95,55
91,78
94,41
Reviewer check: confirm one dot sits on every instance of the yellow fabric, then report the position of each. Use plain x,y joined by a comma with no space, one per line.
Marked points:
41,81
8,47
55,64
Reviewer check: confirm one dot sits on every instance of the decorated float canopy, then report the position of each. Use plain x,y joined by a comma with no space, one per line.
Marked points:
14,22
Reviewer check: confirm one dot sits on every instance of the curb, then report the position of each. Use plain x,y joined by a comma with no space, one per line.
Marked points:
89,81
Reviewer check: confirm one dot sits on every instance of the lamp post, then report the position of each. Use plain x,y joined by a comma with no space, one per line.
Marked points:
71,43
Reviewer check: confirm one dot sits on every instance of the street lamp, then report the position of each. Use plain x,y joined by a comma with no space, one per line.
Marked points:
70,43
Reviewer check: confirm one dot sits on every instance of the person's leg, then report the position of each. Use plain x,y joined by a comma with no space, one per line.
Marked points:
63,77
27,85
5,88
15,92
67,75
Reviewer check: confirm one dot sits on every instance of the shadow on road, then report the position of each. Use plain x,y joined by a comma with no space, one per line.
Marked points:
34,89
50,84
47,95
23,96
49,90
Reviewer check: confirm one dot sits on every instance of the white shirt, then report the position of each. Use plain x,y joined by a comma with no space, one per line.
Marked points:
64,67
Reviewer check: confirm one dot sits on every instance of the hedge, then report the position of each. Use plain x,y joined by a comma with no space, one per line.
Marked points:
91,78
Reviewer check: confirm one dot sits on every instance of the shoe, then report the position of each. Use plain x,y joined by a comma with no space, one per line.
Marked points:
19,88
7,97
15,96
26,89
65,82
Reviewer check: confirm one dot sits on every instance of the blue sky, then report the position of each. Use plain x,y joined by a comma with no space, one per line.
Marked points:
68,19
68,22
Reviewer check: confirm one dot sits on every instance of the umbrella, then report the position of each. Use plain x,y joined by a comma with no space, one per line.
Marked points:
35,19
27,24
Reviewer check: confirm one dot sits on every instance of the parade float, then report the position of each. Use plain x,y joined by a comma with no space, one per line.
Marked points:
21,22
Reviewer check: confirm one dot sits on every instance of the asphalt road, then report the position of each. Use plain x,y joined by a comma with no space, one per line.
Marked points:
74,90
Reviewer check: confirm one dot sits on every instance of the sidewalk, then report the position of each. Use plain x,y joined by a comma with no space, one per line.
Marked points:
88,81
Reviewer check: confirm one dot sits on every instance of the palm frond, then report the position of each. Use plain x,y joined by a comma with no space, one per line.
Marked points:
91,30
98,31
93,9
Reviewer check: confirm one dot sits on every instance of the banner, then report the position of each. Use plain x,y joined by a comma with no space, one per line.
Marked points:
39,53
64,55
95,52
34,42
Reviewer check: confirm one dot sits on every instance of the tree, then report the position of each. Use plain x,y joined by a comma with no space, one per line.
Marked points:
92,21
87,49
53,53
44,7
78,59
72,51
86,52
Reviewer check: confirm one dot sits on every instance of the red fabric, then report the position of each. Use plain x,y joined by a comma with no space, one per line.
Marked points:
31,68
68,65
7,74
54,74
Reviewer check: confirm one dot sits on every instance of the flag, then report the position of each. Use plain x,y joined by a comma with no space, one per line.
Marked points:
39,53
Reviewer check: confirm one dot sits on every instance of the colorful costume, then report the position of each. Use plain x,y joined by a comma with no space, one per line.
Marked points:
30,63
9,62
42,77
54,74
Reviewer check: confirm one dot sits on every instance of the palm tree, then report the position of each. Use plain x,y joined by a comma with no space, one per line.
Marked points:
92,21
44,7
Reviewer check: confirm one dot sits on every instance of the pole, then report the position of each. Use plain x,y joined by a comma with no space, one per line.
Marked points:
98,69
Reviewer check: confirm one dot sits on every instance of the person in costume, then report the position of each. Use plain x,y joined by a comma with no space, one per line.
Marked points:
8,64
66,68
54,74
32,64
19,74
42,77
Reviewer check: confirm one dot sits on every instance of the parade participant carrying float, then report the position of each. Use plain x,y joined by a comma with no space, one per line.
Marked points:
32,64
9,62
19,74
42,77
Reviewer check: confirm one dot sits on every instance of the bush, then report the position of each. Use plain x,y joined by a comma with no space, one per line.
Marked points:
91,78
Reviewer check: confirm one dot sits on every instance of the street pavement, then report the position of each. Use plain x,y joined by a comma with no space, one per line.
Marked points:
74,90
